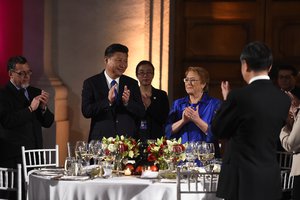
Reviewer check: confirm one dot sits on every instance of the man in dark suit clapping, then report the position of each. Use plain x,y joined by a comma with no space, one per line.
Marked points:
23,113
251,119
111,99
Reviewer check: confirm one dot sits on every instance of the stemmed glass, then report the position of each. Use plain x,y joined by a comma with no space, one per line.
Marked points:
177,150
80,149
108,159
191,154
109,153
206,152
96,150
82,152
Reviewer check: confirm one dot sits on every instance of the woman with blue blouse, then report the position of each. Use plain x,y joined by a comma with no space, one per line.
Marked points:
190,117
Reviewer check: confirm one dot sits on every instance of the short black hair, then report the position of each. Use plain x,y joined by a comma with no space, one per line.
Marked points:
143,62
113,48
287,67
11,63
257,55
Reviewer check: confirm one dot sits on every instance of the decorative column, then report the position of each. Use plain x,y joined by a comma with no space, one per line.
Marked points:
157,44
59,92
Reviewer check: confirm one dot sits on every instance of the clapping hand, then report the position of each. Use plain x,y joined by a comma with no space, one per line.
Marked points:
293,109
111,94
190,113
126,95
44,98
225,87
35,103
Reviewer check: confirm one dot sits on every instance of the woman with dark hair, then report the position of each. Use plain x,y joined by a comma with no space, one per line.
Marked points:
155,101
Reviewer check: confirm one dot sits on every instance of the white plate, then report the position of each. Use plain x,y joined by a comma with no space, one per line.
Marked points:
75,178
48,172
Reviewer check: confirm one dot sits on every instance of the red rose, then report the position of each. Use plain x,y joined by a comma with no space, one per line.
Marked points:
151,158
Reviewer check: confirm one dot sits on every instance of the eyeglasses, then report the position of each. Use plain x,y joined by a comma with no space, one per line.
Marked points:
23,73
286,77
191,81
145,73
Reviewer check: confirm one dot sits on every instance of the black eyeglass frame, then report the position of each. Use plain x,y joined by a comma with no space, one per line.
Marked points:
23,73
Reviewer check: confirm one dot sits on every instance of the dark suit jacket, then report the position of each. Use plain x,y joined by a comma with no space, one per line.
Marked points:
251,118
117,119
156,116
19,127
296,92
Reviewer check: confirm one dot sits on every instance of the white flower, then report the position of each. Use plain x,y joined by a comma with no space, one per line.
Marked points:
131,154
110,139
104,146
112,148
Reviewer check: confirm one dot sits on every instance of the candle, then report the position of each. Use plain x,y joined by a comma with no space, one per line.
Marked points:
127,172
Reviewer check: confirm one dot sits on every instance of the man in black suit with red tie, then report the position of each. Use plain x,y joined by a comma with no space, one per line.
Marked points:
251,119
112,100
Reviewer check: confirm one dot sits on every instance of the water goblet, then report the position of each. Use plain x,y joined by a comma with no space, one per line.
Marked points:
177,150
96,151
80,148
191,154
206,153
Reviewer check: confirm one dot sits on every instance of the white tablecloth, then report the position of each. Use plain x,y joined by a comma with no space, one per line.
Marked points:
117,188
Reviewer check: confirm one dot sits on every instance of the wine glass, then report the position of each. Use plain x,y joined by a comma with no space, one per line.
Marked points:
80,149
206,152
109,153
96,151
177,150
82,152
191,154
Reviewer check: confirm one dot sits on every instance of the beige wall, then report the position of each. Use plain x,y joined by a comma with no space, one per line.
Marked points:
82,29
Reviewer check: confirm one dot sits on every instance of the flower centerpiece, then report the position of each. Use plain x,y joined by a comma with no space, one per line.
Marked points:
166,152
126,147
119,149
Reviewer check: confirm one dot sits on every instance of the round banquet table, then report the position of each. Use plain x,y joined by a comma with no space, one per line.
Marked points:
116,188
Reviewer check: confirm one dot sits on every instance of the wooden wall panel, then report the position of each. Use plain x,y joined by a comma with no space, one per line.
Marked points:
212,34
213,44
283,30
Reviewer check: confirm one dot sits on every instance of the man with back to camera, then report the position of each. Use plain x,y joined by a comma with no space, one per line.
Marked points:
23,113
251,119
112,100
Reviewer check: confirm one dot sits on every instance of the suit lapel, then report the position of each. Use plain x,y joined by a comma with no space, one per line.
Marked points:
18,94
122,83
103,83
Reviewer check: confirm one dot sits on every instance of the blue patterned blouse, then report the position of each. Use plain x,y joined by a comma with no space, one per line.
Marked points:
190,132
